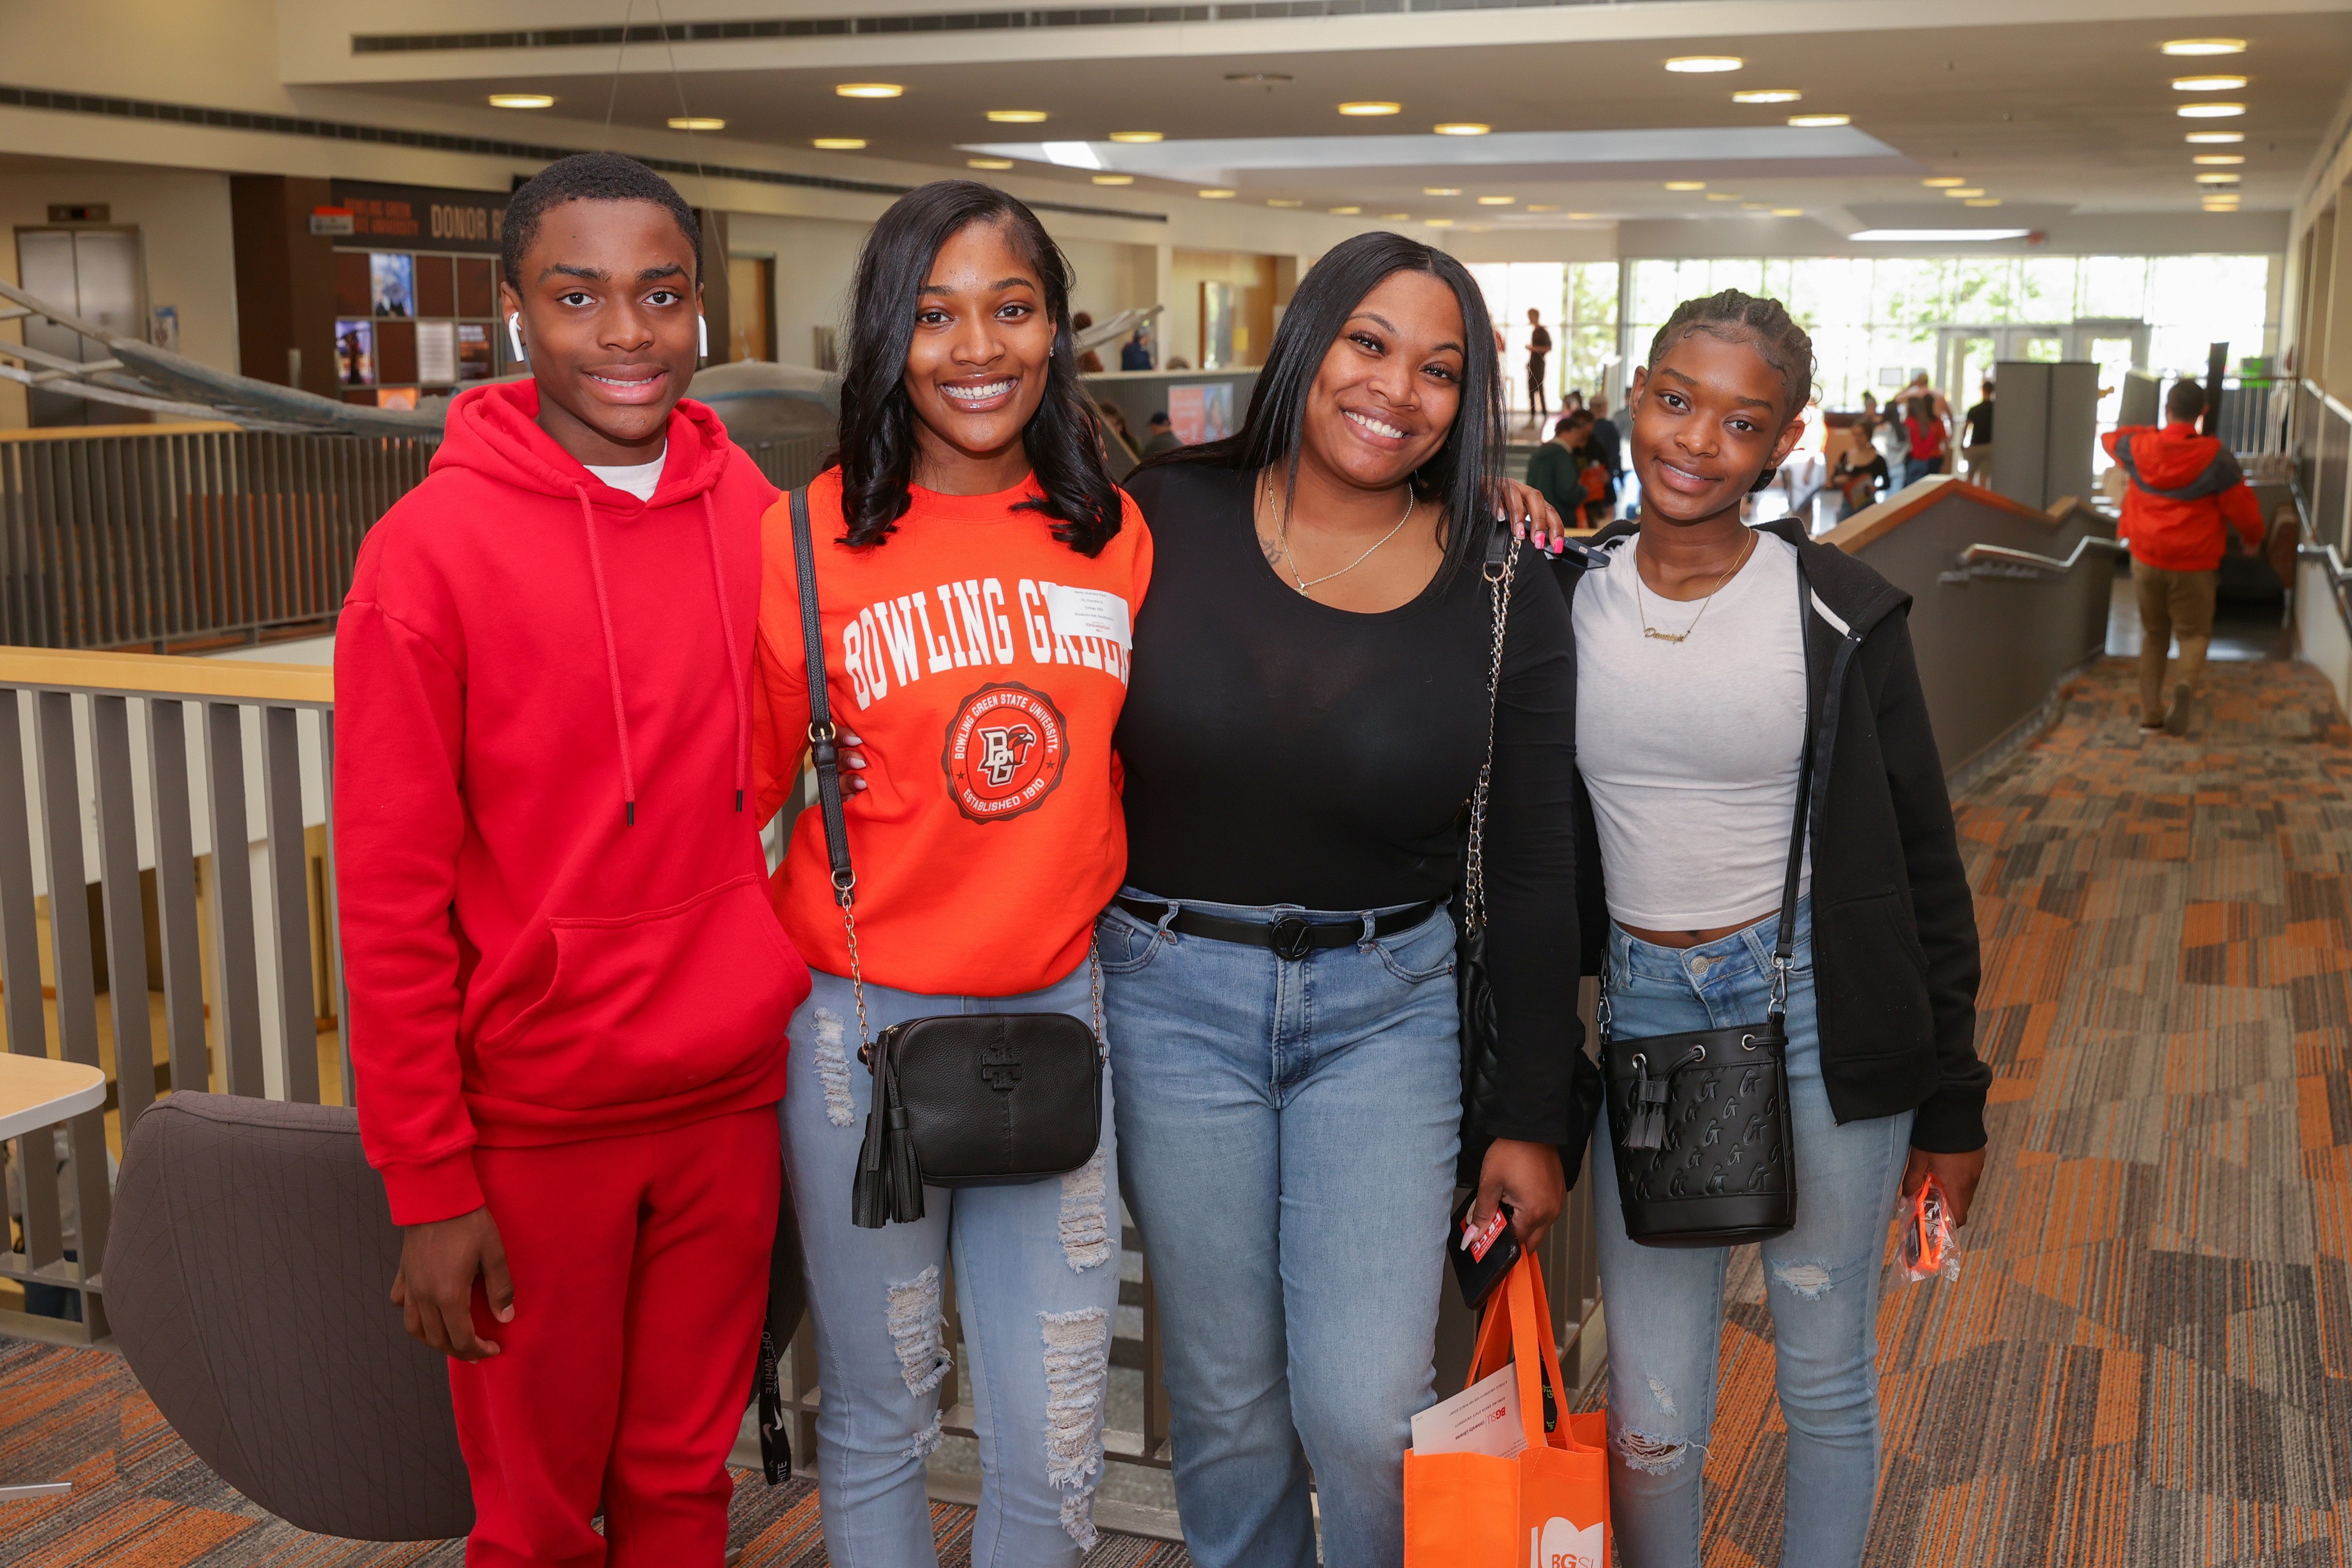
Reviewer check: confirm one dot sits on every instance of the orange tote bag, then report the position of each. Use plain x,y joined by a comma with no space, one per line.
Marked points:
1546,1507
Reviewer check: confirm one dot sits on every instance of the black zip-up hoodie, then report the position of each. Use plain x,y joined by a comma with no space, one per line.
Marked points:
1895,930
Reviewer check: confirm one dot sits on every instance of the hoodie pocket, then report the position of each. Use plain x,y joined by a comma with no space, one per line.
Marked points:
651,1005
1868,963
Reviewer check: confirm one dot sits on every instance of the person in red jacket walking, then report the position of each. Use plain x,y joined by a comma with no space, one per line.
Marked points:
568,992
2185,495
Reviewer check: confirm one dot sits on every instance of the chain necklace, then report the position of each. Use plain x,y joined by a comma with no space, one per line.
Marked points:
1302,582
1643,610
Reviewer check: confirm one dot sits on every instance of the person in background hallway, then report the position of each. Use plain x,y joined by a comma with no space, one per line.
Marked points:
568,992
1089,363
1608,443
1709,655
1309,714
2186,494
1539,350
967,469
1134,353
1977,450
1559,470
1925,435
1162,437
1890,439
1939,405
1860,475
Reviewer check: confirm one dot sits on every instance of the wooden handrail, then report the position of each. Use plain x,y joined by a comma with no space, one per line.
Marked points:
168,675
1874,523
93,432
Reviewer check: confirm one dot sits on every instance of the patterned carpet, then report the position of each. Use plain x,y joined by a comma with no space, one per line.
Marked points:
2148,1359
140,1500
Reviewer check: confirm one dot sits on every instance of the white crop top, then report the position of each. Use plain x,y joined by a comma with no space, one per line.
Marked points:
1689,750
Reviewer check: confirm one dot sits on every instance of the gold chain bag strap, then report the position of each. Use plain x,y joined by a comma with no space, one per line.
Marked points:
1482,1075
962,1098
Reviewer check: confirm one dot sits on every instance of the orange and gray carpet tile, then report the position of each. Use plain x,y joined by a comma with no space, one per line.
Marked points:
2146,1359
140,1500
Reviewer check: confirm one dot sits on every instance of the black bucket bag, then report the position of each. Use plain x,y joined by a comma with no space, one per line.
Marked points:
1698,1122
962,1099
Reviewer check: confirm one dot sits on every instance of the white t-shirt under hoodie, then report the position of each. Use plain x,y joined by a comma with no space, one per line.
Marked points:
1690,749
639,479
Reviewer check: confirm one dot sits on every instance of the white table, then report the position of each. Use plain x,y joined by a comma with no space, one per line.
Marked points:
36,1092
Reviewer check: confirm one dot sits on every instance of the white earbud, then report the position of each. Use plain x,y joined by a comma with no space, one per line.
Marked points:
702,337
514,333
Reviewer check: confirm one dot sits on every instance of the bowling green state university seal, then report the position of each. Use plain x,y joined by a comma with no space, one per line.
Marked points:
1006,745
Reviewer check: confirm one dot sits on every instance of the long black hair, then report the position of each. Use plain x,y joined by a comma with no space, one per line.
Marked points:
877,451
1463,476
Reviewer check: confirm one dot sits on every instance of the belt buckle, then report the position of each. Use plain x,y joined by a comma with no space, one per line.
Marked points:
1291,938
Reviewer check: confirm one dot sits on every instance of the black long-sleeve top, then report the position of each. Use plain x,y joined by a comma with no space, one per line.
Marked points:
1281,751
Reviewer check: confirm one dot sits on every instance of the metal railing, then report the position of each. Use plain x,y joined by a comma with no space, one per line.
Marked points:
791,461
120,540
2000,559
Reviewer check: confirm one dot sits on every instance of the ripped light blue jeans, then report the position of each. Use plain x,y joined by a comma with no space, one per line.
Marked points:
1822,1280
1036,1282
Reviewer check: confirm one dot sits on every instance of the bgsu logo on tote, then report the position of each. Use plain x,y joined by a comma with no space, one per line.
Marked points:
1561,1545
1005,748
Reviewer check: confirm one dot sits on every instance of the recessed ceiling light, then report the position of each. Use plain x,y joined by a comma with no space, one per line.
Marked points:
1686,184
1215,195
1701,65
868,89
1767,95
1017,116
1440,222
521,100
988,163
697,123
2216,138
1372,106
2219,158
1756,206
1284,202
1981,202
1345,212
1543,207
2220,204
2208,83
1584,215
1462,128
1964,191
2209,110
1135,136
853,143
1819,122
1441,190
1114,179
1723,195
1788,212
1935,236
2217,179
2205,46
1396,218
1496,201
1941,181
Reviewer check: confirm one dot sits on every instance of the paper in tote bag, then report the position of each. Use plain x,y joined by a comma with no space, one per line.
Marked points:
1547,1506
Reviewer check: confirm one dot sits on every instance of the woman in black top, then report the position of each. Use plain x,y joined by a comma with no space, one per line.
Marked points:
1307,717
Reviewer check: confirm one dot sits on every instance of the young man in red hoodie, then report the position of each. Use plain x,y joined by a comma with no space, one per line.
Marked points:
569,994
2185,494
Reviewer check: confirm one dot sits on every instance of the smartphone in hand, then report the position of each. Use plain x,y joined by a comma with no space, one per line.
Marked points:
1481,1258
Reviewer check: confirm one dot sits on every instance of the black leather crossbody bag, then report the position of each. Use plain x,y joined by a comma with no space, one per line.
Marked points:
1474,989
962,1099
1698,1122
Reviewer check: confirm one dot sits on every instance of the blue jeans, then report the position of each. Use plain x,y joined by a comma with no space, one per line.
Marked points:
1288,1131
1036,1279
1822,1280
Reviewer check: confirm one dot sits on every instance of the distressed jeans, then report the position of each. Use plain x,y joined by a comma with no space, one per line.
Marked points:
1288,1129
1822,1280
1036,1280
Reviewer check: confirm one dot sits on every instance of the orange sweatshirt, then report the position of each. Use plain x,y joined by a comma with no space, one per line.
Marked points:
984,664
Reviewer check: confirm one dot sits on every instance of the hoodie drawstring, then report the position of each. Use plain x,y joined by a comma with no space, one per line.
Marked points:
613,659
734,670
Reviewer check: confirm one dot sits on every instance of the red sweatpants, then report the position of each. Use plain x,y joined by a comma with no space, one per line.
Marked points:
640,1268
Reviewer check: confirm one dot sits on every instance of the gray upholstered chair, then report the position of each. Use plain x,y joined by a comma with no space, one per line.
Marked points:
247,1280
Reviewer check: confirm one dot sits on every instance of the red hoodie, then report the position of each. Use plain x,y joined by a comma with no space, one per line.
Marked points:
2185,493
554,914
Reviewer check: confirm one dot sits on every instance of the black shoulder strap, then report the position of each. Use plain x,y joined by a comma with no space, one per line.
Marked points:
823,752
1784,948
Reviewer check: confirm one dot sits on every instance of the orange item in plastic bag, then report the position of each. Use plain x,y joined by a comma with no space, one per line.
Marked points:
1548,1506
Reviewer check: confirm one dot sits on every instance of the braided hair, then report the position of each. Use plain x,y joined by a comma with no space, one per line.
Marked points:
1765,324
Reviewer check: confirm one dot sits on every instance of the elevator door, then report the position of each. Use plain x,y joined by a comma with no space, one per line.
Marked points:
97,274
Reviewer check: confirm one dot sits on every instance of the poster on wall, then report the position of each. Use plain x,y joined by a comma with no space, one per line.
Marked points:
355,353
392,284
474,362
436,352
1200,411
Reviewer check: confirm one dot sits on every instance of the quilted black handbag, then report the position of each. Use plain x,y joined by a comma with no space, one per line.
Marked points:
1698,1122
960,1099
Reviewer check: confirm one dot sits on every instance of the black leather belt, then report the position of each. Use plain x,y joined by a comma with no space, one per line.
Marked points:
1292,936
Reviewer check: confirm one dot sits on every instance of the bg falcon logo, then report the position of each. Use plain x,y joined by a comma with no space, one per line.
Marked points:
1006,746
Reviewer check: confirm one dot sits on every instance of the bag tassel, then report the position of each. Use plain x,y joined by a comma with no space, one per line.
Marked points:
890,1183
1648,1130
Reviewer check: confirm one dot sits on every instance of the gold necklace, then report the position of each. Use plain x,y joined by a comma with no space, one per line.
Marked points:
1281,537
1639,608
